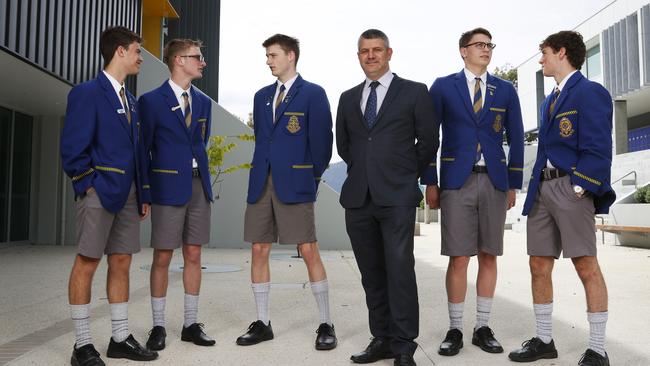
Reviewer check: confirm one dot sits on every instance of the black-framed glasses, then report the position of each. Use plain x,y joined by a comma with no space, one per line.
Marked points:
198,58
481,45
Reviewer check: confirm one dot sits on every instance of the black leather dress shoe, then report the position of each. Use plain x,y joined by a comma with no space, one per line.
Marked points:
484,338
404,360
130,349
156,341
452,344
378,349
532,350
195,334
86,356
326,338
257,332
593,358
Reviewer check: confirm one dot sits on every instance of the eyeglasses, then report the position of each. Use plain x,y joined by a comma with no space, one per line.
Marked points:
198,58
481,45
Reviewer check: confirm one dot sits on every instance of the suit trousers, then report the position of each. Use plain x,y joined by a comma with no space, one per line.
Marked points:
382,240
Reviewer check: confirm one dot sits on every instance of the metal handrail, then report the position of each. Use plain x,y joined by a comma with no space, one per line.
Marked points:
621,178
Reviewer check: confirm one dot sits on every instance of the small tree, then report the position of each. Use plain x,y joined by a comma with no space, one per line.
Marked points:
507,72
217,149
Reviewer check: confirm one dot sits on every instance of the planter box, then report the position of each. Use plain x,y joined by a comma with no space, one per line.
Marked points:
632,214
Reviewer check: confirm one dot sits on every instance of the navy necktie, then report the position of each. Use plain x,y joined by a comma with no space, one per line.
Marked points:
370,114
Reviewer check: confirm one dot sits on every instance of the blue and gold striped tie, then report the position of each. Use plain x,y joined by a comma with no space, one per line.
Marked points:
478,105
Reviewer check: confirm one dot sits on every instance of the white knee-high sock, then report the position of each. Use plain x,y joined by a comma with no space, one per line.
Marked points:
80,315
320,290
120,321
544,321
597,325
261,293
158,311
456,315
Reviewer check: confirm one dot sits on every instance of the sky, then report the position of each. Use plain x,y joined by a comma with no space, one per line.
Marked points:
423,34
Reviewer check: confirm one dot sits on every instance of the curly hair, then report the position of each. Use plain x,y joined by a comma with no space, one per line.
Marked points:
572,42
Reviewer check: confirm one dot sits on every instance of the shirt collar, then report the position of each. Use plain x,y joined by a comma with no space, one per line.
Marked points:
470,76
384,80
116,85
288,84
178,91
561,85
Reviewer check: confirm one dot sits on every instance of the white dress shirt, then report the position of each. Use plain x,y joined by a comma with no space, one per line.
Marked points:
117,86
287,86
178,92
381,90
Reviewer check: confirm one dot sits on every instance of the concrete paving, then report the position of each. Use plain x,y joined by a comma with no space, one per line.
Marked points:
35,329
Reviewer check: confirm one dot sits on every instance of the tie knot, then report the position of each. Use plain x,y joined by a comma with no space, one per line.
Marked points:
282,88
184,95
556,91
122,91
374,84
478,80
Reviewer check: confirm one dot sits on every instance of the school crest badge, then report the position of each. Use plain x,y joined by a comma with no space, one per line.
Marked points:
566,127
294,124
497,125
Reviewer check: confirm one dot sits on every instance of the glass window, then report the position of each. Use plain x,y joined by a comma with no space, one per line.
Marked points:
5,134
593,62
21,178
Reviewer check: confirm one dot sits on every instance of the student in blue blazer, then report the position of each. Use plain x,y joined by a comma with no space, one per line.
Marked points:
477,180
176,129
102,152
293,145
569,185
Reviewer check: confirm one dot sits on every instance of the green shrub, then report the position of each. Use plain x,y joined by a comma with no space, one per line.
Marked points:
642,195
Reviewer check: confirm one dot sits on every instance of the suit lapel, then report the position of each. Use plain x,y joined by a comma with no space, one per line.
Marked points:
544,116
391,94
288,98
114,102
461,87
196,107
172,103
358,94
565,92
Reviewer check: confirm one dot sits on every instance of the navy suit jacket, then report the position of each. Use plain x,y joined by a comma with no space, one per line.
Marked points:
386,160
100,149
296,148
577,138
171,146
462,130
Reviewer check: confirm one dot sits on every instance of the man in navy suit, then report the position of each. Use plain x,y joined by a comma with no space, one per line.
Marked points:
176,129
385,134
570,183
478,183
293,145
102,153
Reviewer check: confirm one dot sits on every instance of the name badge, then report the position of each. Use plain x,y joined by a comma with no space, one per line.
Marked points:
121,111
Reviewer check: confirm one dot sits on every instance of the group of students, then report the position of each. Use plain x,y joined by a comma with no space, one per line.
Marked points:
129,158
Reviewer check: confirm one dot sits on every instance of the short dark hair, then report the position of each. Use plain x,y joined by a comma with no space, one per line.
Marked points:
176,46
467,36
572,41
374,34
112,38
285,42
